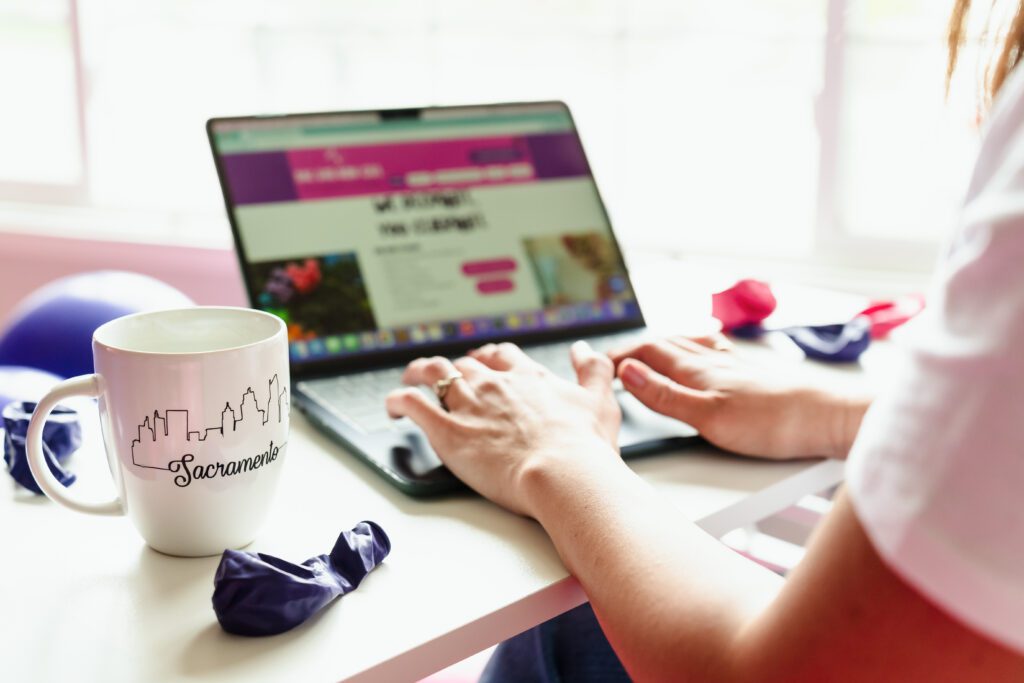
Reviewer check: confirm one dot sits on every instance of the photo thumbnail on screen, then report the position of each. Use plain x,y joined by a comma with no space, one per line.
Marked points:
576,268
316,296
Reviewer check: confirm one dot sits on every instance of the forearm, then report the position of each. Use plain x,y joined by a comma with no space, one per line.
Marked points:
678,606
671,599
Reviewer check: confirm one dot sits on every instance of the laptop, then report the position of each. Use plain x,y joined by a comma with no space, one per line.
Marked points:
383,236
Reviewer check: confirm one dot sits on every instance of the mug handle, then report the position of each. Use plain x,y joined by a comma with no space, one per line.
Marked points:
85,385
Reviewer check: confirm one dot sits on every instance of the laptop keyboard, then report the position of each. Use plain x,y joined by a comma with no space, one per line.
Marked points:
359,398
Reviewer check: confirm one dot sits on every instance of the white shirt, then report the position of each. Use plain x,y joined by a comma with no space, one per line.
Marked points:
937,472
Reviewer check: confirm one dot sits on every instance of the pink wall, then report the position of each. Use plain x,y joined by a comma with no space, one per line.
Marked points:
208,276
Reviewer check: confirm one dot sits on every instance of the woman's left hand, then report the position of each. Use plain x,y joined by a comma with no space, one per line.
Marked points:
509,418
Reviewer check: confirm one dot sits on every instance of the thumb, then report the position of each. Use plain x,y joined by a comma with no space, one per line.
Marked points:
662,395
594,370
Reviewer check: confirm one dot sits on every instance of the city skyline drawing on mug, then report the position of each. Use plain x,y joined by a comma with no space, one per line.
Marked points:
174,425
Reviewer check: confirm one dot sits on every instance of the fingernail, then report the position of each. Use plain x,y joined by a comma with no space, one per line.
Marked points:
580,346
632,376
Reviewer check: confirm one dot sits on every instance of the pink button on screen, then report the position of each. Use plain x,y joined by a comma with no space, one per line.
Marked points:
501,265
494,286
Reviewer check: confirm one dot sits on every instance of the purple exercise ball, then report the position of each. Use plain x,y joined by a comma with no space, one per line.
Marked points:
52,328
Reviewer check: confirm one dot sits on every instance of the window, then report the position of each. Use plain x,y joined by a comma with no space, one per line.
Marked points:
789,129
40,134
896,154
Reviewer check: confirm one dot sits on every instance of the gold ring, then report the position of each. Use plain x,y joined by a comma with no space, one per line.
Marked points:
441,386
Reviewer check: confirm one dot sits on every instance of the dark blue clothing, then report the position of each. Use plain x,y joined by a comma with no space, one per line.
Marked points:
568,649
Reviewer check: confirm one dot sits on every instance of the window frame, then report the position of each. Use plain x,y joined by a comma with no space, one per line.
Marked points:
833,241
67,193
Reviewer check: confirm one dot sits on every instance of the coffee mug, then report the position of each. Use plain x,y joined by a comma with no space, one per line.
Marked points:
193,408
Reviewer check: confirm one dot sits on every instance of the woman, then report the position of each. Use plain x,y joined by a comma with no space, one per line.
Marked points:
918,571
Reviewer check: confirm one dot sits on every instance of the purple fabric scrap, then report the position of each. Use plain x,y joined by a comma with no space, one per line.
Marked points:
62,436
833,343
261,595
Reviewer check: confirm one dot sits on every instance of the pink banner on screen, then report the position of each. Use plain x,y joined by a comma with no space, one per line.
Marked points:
428,165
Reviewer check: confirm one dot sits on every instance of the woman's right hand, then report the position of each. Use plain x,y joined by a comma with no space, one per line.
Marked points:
737,405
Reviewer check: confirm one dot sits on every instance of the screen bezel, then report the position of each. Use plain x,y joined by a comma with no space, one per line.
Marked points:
341,364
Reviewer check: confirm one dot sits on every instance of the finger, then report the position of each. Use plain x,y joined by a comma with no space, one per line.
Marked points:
430,371
661,394
471,368
621,353
474,372
427,371
666,358
502,357
718,342
704,343
594,371
645,347
412,404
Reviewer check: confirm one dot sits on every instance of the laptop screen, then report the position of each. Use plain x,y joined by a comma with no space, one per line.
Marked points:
376,232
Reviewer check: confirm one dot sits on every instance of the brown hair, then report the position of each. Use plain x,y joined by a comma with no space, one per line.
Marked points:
1005,56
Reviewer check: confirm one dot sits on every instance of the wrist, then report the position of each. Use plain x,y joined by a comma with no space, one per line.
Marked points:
553,480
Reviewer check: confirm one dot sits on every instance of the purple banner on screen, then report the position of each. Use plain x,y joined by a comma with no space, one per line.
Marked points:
259,177
334,172
557,155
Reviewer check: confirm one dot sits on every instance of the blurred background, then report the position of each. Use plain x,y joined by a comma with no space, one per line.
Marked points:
808,138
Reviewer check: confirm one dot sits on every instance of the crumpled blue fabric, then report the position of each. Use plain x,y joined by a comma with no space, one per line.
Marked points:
833,343
62,436
261,595
838,343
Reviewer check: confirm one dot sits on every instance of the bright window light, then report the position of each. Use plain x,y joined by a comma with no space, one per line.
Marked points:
771,128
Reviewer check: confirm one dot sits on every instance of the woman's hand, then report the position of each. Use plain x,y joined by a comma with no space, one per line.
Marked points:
508,418
736,405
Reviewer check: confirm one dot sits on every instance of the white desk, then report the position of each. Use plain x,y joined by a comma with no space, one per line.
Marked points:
84,599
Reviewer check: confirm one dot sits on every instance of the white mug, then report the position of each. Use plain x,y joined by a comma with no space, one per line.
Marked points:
193,406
